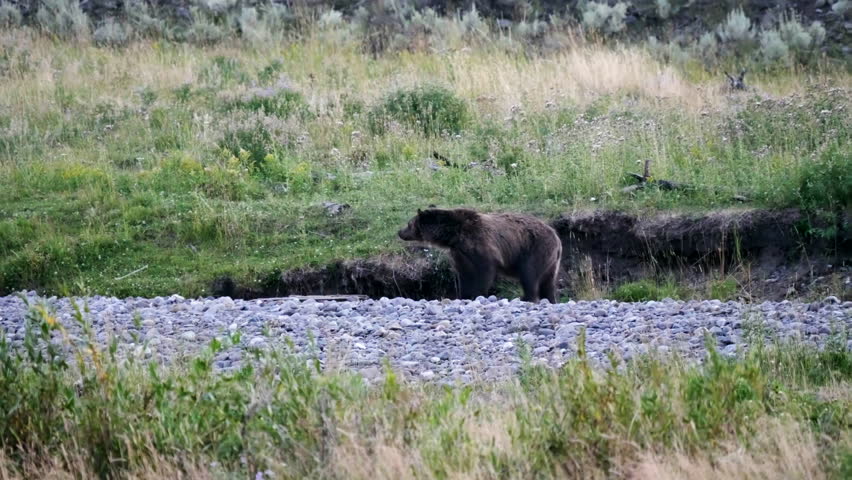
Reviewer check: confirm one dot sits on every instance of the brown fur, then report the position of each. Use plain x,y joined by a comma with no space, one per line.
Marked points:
481,245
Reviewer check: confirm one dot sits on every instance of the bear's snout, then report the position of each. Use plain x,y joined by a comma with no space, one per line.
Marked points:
402,234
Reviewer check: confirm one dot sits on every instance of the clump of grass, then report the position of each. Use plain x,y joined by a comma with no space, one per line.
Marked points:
431,110
281,102
646,290
724,289
279,414
223,71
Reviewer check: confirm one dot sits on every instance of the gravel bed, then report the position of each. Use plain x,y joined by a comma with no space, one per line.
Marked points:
448,340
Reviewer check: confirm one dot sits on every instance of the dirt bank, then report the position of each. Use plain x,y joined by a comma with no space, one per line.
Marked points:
773,254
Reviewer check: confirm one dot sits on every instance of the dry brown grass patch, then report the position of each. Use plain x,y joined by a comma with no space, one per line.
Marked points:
780,450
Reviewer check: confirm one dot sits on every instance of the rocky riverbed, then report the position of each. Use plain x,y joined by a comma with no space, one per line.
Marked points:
432,340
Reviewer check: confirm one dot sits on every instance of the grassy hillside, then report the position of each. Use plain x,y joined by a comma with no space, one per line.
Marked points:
190,161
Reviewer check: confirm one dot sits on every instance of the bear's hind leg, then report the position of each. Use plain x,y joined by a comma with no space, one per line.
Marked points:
530,283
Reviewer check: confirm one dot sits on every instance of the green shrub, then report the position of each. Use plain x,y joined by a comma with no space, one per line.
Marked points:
256,140
352,107
826,182
432,110
511,159
269,74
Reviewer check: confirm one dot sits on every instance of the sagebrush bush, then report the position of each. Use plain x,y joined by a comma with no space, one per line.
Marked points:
277,18
795,35
603,17
669,52
330,19
112,34
773,49
530,32
842,7
736,30
818,32
707,48
143,22
10,16
431,110
204,31
473,23
263,24
63,18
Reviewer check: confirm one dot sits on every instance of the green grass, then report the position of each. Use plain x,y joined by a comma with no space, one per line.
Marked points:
173,156
280,414
646,290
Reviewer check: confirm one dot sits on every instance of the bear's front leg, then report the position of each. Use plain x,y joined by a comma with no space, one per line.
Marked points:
476,275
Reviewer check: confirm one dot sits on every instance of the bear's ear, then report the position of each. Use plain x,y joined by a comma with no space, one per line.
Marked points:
432,205
419,211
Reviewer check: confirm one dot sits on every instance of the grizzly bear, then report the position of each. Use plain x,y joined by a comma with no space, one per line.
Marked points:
481,245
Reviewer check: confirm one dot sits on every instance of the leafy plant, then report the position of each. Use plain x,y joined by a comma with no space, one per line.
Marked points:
432,110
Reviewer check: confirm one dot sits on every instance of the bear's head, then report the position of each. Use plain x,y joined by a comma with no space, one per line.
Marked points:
439,226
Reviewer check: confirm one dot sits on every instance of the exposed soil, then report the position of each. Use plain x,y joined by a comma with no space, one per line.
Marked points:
419,273
773,254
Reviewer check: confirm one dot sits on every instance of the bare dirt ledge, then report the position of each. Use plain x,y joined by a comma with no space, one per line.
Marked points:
773,254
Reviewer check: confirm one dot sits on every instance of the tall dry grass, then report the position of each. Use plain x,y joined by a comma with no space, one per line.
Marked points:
782,449
326,72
